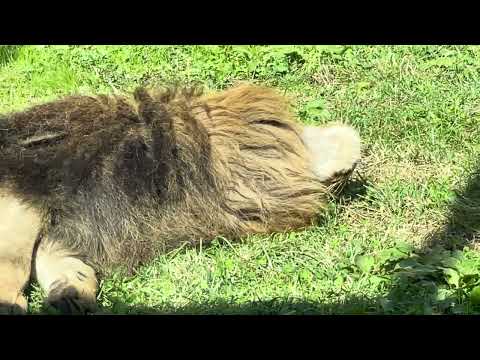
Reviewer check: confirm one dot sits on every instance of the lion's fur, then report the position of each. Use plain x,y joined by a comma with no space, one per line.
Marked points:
119,178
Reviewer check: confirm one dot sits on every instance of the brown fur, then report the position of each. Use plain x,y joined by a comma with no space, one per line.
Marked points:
119,179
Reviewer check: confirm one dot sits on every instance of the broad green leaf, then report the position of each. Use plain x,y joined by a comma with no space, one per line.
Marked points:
315,104
339,281
363,85
364,262
468,267
306,275
316,109
407,264
404,247
229,265
392,254
442,294
475,295
452,277
450,262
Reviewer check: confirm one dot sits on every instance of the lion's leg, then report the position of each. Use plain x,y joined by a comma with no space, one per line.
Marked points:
69,283
19,228
334,150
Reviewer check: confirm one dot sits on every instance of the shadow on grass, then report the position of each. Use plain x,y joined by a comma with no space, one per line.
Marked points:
8,53
463,226
273,307
440,277
353,191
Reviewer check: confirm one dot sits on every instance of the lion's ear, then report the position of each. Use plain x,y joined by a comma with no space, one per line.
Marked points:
334,149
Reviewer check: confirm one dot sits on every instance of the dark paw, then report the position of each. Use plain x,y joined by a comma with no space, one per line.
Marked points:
67,300
11,309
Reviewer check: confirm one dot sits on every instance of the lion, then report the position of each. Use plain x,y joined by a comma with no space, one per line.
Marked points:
93,184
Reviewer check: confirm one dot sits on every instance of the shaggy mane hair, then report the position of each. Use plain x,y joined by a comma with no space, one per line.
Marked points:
120,178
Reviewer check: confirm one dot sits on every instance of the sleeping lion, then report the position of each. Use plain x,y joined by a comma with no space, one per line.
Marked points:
91,184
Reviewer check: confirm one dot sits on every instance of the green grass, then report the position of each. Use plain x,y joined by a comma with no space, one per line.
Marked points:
418,111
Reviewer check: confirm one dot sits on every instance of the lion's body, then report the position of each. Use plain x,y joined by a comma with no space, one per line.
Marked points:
114,180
